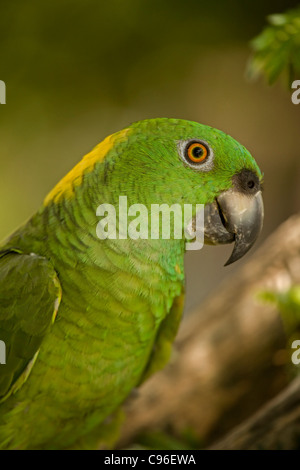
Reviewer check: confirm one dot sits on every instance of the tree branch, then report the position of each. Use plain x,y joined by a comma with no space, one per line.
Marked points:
276,426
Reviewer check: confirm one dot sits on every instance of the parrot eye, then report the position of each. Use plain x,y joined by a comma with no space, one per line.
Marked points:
197,154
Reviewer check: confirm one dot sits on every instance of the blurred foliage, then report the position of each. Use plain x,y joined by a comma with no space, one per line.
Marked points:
277,48
75,51
288,304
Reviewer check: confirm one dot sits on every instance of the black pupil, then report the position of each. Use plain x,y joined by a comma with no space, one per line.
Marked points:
251,184
197,152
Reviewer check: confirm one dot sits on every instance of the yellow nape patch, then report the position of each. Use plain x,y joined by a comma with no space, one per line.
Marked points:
177,269
65,188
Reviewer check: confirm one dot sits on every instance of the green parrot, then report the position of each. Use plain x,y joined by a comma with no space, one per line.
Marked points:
86,320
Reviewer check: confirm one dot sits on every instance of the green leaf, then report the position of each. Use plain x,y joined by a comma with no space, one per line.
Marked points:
277,48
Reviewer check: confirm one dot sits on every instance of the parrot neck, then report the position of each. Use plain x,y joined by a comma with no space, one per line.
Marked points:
66,234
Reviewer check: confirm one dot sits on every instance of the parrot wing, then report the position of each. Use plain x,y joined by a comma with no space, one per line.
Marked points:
30,295
165,337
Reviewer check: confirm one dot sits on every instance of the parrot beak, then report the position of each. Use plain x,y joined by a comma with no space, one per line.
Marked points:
234,216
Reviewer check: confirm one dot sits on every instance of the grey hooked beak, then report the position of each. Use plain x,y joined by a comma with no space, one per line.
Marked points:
234,217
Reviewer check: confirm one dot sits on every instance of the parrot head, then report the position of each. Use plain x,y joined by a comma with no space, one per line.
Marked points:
173,161
178,161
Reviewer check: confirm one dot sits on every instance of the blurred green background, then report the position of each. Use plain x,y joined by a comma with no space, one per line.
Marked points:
78,71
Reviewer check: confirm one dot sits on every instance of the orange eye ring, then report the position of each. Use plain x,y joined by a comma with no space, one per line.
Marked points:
197,152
